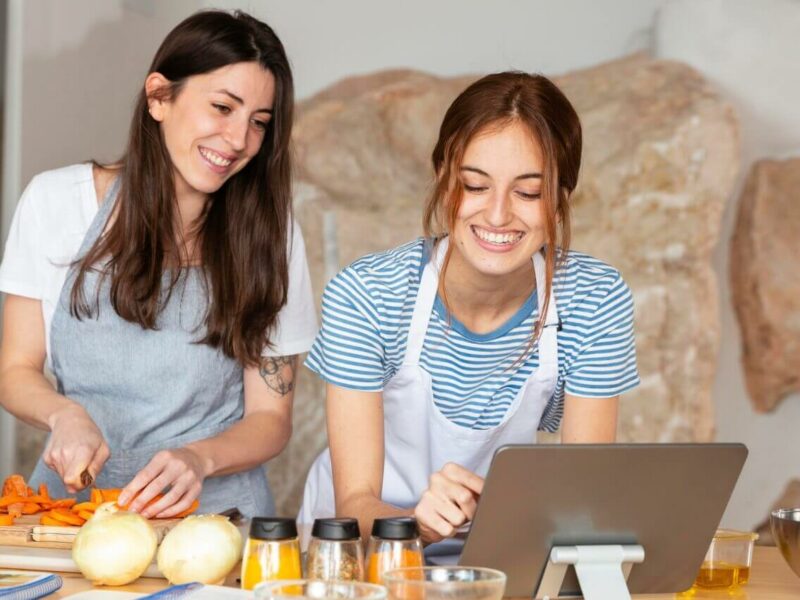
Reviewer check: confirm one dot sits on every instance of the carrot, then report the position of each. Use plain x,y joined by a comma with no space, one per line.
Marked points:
85,514
30,508
64,503
193,507
66,515
96,496
84,506
15,509
9,500
6,520
43,492
15,485
46,520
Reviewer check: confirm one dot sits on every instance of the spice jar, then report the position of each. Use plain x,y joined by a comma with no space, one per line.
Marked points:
334,552
394,544
272,552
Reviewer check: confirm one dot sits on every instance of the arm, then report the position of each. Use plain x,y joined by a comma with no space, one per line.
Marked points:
589,420
75,443
355,434
262,434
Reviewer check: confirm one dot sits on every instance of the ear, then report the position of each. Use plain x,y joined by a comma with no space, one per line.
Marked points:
156,87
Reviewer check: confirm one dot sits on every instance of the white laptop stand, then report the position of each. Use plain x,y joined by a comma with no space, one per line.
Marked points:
602,570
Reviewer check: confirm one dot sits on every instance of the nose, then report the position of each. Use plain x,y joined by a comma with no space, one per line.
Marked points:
236,134
498,211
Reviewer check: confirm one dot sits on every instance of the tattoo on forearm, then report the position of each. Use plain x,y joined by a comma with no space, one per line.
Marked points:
278,372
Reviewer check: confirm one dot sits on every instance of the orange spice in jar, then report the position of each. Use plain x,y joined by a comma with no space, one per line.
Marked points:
272,552
394,544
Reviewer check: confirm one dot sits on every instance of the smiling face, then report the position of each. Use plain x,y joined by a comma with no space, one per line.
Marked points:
215,124
501,221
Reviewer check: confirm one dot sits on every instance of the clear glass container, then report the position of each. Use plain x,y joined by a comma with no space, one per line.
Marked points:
272,552
445,583
334,552
394,544
727,562
319,590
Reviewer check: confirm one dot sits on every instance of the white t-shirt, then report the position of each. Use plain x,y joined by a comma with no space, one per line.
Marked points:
49,225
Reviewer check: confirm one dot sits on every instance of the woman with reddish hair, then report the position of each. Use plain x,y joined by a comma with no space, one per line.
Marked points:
478,334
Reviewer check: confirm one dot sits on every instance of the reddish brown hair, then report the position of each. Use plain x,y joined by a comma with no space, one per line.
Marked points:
244,230
496,101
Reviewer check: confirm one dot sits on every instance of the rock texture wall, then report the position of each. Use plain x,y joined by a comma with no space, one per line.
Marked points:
660,160
765,280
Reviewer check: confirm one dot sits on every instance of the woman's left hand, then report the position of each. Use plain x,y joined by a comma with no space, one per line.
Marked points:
181,470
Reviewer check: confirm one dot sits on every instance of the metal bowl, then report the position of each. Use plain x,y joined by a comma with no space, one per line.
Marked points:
785,524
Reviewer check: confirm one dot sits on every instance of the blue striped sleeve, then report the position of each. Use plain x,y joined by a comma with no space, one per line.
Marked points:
348,350
605,363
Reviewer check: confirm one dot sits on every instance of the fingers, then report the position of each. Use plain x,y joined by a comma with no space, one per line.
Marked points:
465,477
169,469
72,462
450,501
144,486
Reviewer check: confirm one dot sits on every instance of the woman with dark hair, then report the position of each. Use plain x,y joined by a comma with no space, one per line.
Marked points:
477,335
168,293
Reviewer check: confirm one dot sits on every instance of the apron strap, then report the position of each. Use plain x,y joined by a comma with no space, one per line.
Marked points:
423,307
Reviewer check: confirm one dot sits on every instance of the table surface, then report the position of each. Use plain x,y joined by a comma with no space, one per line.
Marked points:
771,579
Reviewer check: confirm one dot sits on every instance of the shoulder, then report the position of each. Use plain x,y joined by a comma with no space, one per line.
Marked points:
61,193
389,271
583,280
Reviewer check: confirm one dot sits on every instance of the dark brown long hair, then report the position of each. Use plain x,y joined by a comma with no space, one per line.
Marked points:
495,101
244,230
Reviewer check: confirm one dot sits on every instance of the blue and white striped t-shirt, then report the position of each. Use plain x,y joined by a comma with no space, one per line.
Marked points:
366,313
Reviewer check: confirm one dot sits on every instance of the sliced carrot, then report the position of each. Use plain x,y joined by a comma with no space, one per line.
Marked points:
46,520
111,494
84,506
16,509
6,520
193,507
64,503
85,514
67,516
43,492
30,508
9,500
96,496
15,485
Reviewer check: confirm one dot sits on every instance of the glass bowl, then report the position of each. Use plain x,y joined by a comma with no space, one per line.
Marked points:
444,583
298,589
785,525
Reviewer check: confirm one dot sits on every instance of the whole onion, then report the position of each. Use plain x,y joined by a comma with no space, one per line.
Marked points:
114,547
201,548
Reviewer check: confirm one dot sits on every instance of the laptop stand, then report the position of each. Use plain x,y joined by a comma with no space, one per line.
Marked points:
602,571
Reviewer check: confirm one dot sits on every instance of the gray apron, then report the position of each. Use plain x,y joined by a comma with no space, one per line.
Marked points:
150,390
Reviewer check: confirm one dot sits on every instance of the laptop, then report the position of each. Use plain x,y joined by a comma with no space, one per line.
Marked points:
668,498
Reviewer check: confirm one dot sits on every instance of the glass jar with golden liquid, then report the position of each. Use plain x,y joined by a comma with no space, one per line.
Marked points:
394,544
272,552
727,562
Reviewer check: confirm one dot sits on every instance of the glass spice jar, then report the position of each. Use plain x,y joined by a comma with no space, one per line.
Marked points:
334,552
272,552
394,544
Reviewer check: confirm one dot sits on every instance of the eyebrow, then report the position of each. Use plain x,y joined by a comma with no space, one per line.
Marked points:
236,98
485,174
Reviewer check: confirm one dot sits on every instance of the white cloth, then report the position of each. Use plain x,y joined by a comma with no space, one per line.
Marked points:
50,222
418,439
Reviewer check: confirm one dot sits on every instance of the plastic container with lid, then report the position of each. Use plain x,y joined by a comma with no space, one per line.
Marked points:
394,544
272,552
334,552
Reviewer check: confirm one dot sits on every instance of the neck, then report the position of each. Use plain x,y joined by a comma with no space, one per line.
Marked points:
191,205
484,302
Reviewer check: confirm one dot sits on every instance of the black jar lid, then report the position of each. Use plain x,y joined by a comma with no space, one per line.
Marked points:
273,528
336,529
395,528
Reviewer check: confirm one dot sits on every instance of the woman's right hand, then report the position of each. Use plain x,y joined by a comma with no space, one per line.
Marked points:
449,502
75,445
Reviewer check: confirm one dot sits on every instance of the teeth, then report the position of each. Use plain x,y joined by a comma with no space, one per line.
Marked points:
215,158
497,238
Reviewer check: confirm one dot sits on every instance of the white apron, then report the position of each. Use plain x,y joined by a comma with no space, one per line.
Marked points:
418,438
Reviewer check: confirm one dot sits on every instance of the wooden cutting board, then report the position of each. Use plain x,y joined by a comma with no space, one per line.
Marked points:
27,532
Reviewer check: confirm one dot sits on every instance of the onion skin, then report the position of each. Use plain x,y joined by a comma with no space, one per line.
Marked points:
202,548
114,547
